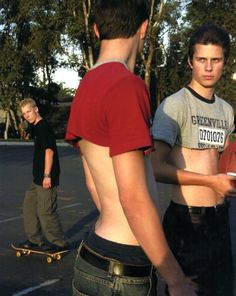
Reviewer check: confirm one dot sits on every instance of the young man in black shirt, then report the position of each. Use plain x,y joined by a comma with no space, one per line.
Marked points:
40,203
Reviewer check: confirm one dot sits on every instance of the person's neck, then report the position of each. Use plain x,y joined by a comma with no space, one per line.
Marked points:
120,50
38,118
205,92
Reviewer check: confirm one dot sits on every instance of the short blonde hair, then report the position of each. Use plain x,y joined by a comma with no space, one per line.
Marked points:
27,101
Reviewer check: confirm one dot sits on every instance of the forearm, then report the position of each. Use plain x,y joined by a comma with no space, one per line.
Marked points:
222,184
167,173
48,161
146,226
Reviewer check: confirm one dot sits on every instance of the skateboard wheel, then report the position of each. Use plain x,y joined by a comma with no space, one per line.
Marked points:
18,254
58,257
25,252
49,260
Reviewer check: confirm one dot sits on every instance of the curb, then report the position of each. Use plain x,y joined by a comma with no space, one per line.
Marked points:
28,143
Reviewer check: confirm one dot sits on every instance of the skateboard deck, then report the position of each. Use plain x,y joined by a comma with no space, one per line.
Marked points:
50,256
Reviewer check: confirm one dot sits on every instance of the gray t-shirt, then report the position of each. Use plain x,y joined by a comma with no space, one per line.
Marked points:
188,120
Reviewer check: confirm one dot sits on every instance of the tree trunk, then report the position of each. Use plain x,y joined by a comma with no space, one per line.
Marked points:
7,124
14,121
86,11
48,73
154,22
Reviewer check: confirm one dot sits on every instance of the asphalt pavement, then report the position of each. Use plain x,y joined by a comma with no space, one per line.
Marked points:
32,275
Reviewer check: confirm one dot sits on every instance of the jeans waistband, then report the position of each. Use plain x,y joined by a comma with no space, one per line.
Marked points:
114,267
130,254
199,210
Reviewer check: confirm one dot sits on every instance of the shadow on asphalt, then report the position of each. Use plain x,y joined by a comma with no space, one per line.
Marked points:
73,230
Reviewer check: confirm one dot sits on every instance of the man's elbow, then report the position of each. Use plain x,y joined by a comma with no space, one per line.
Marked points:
157,166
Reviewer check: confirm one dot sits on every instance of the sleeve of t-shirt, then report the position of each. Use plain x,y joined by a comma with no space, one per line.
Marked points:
232,125
128,115
168,120
47,138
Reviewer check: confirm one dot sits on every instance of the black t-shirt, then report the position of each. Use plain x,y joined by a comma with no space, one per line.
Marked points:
43,139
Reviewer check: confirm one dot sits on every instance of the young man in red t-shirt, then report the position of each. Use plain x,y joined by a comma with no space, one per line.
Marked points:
109,121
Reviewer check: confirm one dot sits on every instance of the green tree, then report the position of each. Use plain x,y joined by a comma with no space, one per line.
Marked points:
47,26
30,41
37,37
83,46
16,66
154,67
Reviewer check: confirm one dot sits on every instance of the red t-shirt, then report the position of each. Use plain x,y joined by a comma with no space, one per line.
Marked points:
227,162
111,108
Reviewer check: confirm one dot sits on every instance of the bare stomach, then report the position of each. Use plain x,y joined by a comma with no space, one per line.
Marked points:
199,161
198,196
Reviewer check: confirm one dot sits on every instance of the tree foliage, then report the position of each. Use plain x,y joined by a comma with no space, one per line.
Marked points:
38,37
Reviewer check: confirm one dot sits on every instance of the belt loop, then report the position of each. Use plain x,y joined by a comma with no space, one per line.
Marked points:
152,269
111,269
216,207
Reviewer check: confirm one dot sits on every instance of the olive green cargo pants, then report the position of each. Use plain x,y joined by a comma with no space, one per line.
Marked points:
40,216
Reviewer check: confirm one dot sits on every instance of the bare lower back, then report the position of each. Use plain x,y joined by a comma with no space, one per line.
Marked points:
112,223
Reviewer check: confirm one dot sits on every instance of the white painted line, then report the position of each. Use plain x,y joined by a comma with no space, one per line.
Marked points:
10,219
30,289
69,206
21,217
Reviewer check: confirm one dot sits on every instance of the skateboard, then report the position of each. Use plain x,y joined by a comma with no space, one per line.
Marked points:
50,257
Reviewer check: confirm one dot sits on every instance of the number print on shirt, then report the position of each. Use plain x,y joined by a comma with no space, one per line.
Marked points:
214,137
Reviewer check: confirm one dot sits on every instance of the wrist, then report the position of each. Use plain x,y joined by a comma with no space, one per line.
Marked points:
45,175
210,181
179,285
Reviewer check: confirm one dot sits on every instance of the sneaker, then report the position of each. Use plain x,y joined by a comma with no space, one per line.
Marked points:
29,245
55,248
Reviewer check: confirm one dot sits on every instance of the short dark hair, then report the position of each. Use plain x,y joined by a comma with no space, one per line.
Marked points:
119,18
209,34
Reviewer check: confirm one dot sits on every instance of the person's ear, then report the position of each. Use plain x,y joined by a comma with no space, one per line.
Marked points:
95,28
36,109
143,29
190,63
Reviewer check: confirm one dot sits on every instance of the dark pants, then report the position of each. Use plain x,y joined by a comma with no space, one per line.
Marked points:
91,280
199,237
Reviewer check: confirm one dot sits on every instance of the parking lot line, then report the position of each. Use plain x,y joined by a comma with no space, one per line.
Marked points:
31,289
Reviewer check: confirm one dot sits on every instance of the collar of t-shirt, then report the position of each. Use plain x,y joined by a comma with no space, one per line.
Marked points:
199,97
110,61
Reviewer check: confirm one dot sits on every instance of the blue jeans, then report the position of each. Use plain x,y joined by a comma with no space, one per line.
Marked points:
92,281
